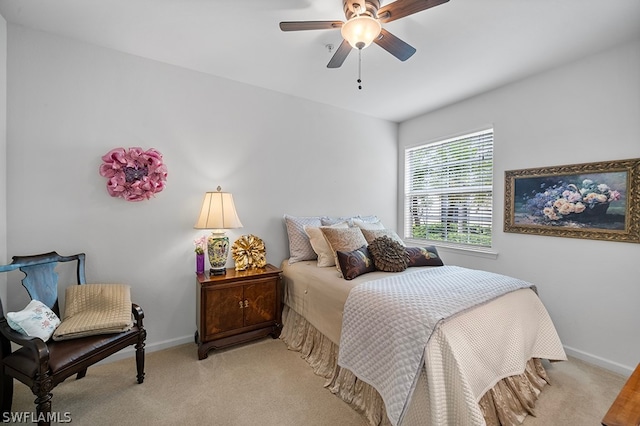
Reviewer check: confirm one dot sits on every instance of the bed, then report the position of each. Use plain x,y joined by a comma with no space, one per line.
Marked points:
480,365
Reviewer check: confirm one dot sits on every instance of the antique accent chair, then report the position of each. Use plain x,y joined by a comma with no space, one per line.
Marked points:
42,365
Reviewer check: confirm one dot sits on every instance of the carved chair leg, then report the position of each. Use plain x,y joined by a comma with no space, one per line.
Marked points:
140,356
43,410
81,374
42,390
6,396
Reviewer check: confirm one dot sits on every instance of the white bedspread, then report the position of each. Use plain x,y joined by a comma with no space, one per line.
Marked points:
467,354
388,322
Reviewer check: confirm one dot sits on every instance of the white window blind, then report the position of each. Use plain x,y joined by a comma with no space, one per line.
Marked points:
448,190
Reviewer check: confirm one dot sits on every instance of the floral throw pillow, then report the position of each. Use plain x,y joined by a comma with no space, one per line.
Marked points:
35,320
355,263
388,254
423,256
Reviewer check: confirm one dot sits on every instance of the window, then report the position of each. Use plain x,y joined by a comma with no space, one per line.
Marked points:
448,190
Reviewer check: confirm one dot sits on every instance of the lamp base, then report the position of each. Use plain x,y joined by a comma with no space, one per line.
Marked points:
218,249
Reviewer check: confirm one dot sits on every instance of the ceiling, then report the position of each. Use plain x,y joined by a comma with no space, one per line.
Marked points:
464,47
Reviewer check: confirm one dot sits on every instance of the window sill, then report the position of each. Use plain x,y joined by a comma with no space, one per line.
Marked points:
487,253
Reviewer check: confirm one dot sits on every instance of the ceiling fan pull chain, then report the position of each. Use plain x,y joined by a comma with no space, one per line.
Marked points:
359,69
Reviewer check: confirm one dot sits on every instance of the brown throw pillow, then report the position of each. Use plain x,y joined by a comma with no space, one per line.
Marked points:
355,263
388,254
423,256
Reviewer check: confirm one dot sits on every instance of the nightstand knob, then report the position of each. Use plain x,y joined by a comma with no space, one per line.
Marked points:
246,303
240,303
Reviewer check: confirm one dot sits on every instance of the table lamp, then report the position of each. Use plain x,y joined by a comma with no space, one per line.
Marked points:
218,213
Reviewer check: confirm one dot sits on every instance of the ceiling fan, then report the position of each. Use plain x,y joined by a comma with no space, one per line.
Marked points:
364,26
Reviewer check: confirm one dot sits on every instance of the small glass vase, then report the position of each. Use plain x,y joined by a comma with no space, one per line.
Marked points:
199,263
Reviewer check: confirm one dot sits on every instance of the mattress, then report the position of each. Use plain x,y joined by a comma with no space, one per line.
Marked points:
467,355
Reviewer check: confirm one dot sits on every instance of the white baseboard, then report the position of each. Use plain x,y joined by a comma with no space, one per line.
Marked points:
130,352
600,362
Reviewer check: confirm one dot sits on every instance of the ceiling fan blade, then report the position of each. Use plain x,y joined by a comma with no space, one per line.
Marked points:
401,8
394,45
310,25
341,54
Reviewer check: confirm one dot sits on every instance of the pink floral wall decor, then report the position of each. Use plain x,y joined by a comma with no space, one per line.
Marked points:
133,174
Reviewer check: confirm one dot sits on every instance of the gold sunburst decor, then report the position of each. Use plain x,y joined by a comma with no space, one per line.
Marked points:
248,252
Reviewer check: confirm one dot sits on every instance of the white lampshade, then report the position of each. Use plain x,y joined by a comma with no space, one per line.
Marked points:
218,212
361,30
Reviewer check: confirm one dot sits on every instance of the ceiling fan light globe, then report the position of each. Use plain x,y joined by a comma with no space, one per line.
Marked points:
361,30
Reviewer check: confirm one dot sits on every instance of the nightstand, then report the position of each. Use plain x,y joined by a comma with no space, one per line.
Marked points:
237,307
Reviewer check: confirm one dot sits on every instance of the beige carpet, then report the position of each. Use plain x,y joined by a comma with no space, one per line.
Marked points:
264,383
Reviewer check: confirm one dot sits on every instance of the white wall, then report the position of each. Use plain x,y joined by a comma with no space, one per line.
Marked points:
587,111
69,103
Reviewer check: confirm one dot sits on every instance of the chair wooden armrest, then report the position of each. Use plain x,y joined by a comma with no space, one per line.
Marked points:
35,344
138,313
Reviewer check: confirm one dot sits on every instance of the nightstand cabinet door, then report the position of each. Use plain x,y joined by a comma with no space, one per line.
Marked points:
224,310
261,300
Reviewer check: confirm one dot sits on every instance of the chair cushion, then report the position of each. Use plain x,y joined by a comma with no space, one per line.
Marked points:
35,320
95,309
67,357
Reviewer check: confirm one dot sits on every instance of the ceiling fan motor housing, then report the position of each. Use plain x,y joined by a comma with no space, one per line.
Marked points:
355,7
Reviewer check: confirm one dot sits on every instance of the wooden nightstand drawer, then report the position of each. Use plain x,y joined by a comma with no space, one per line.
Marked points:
237,307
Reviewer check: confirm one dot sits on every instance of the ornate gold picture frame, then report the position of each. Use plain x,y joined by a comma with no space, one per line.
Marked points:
599,201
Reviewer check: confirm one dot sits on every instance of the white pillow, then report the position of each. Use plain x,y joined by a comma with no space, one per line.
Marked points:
299,247
320,245
369,219
332,220
35,320
368,225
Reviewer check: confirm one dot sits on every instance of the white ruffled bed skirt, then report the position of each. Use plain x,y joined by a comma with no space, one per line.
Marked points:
507,403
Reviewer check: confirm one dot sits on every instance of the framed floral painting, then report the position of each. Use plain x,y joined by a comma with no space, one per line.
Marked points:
598,201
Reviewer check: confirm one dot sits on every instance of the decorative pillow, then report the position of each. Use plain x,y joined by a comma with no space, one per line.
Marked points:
368,225
299,245
35,320
343,239
332,220
372,234
320,245
92,309
355,263
388,255
423,256
369,219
